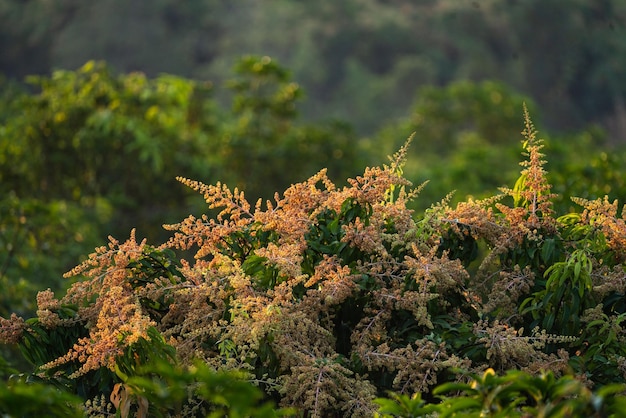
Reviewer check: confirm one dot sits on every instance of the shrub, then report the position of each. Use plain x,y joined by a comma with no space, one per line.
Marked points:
327,298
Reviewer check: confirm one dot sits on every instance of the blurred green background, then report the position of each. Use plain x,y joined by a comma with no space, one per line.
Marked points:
103,103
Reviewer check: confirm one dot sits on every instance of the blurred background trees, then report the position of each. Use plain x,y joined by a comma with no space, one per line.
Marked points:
568,55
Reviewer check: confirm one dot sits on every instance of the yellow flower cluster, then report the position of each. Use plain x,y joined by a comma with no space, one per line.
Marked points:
11,329
115,320
603,215
120,324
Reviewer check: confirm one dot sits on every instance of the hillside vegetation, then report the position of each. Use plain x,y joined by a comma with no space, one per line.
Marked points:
327,298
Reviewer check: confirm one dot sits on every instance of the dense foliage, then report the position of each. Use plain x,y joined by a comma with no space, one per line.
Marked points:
329,297
89,153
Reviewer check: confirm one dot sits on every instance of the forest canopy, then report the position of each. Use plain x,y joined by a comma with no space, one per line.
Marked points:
358,60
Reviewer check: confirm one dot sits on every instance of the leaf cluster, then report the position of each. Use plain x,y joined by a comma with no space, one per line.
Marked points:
514,394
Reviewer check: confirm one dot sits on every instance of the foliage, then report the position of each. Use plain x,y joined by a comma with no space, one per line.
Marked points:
83,128
514,394
72,139
446,115
35,248
585,166
83,155
569,59
27,399
90,151
462,137
261,149
161,389
158,389
328,297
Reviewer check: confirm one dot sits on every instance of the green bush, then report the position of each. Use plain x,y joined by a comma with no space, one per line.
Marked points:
514,394
34,399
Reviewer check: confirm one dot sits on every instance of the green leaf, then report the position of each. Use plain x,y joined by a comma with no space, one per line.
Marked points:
453,387
547,250
548,322
452,406
577,268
